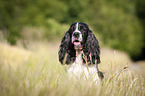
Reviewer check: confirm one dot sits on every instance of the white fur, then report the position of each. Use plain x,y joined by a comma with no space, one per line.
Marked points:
77,70
77,27
77,30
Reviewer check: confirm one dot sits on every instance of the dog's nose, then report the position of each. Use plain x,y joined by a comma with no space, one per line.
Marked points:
76,34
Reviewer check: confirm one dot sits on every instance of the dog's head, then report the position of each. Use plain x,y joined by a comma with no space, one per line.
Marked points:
78,33
79,38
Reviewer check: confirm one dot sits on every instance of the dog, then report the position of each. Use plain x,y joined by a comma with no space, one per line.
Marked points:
80,48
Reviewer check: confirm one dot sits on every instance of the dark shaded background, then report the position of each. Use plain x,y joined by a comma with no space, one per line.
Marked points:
140,8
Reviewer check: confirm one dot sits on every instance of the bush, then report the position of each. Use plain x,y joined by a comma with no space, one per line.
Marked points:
52,30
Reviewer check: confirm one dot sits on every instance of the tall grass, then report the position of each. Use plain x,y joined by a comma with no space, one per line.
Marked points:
42,75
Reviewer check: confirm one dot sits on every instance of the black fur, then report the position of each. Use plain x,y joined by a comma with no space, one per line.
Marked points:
90,46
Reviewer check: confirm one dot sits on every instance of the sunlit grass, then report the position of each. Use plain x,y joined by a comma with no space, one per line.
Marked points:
41,74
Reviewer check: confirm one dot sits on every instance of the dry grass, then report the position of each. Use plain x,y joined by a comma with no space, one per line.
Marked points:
35,71
11,55
113,60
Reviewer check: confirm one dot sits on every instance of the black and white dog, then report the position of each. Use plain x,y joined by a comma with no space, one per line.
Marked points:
80,47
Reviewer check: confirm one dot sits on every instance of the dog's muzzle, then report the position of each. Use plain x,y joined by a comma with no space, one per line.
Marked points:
76,40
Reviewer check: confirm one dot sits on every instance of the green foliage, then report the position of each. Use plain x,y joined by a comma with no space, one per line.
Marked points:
140,6
51,30
115,21
40,11
55,29
9,23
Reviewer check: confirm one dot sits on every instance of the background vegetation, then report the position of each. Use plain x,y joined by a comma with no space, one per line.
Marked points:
119,24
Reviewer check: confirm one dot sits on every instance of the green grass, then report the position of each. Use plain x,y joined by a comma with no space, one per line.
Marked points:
35,71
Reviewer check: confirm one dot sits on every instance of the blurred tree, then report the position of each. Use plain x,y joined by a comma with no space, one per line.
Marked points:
16,14
10,18
140,9
75,8
37,12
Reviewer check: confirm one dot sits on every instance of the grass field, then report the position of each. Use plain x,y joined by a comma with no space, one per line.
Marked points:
35,71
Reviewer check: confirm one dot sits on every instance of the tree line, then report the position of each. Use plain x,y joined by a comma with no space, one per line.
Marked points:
118,23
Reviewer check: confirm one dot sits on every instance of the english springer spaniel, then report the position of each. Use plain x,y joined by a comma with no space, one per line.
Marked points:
80,48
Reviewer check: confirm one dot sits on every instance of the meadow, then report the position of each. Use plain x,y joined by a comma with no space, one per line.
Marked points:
34,70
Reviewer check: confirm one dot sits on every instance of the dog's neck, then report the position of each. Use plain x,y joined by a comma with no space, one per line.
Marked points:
79,59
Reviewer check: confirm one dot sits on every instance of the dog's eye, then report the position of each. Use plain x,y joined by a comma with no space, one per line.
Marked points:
82,28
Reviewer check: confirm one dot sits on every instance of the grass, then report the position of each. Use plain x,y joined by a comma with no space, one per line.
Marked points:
35,71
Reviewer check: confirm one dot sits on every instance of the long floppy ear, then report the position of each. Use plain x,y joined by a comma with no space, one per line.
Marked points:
66,50
92,49
64,47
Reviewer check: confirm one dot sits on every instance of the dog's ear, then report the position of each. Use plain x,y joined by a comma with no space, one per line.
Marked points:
92,49
67,48
64,46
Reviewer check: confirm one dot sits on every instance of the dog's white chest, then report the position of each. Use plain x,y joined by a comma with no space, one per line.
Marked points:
77,70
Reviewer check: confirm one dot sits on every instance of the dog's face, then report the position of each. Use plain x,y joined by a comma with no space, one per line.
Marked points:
78,33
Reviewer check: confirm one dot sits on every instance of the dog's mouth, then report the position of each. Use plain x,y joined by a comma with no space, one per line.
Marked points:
77,45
